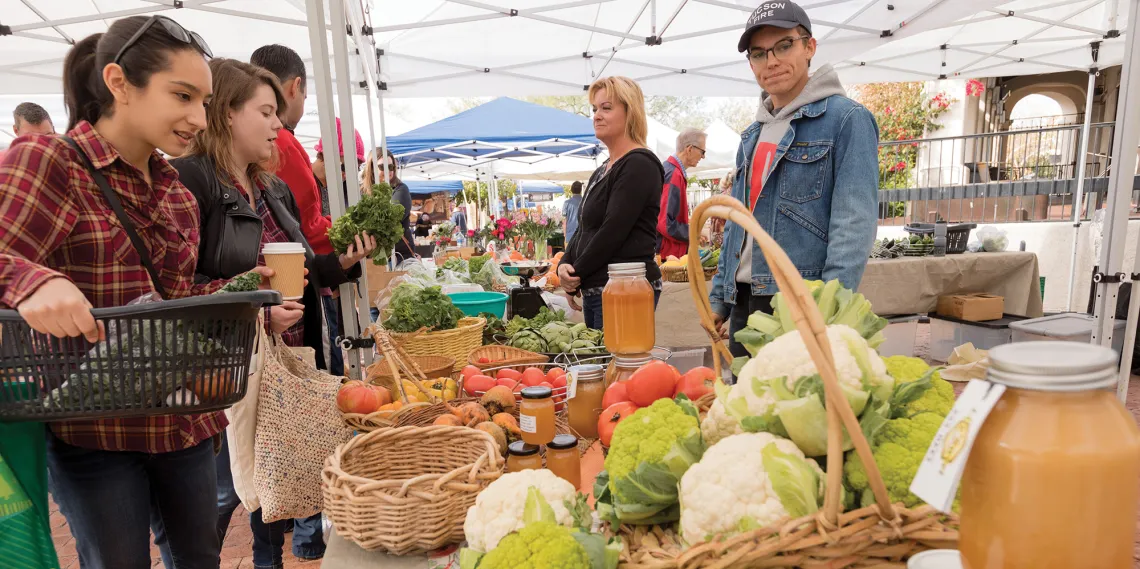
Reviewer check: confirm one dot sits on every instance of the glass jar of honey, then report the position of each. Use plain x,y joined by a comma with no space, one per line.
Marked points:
536,415
1051,481
584,408
627,310
563,459
521,456
621,368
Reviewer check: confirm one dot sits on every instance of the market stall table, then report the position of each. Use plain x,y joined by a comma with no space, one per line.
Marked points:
908,285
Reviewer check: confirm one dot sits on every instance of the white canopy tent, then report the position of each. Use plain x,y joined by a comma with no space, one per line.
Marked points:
672,47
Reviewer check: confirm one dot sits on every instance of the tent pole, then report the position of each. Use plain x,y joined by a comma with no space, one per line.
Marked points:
1126,138
1081,158
372,138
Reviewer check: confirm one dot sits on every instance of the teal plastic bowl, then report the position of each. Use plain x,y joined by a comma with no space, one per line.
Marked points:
472,303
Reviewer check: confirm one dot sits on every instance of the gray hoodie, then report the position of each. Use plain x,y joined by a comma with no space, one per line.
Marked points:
774,124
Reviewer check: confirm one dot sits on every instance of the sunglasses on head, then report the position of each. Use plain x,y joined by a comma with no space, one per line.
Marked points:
173,29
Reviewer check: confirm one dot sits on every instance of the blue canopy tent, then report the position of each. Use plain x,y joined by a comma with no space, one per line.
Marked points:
502,129
427,187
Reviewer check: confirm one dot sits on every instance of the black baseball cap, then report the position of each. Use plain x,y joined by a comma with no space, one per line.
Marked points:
778,13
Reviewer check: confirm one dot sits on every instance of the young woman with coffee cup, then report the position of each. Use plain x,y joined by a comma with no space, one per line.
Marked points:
250,219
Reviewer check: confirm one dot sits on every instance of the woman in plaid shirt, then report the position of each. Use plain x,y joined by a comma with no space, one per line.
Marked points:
243,206
140,87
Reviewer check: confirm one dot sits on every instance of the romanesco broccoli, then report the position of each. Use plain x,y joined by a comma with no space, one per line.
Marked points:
938,399
648,436
540,545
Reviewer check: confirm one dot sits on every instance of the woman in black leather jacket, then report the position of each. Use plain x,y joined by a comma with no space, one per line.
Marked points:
243,206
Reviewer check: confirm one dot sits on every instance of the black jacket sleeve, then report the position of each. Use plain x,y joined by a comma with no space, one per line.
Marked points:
635,184
192,175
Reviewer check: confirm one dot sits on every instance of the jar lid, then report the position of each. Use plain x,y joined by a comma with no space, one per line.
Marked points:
627,270
536,392
589,372
1053,366
520,448
936,559
632,360
563,442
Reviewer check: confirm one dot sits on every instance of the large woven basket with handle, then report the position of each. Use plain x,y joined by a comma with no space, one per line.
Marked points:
456,343
880,535
407,490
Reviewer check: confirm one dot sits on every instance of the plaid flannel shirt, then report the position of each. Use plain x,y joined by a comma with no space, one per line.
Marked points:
58,225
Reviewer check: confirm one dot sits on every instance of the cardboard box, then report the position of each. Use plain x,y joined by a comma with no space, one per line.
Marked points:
378,278
978,307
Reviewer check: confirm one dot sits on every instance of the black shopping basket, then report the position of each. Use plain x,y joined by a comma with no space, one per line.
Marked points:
174,357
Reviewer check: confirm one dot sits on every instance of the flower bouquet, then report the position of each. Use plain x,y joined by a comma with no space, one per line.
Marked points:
444,235
538,226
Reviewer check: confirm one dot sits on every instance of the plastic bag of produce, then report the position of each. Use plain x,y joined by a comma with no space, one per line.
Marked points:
994,240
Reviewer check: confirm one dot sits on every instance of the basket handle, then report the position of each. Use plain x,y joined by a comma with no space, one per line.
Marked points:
810,325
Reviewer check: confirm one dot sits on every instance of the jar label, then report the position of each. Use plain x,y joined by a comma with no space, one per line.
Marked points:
528,424
936,481
572,385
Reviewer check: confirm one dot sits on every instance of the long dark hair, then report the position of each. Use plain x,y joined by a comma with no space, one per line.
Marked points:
84,91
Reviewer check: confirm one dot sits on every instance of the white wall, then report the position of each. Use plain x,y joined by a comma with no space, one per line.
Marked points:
1052,242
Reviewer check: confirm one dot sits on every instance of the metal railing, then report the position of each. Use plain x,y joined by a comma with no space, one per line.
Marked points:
1018,175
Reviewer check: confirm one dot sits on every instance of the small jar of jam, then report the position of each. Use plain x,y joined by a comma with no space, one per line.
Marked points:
586,405
622,367
521,456
536,415
563,460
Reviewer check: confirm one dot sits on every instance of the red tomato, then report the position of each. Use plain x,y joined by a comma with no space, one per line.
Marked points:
470,371
610,418
555,372
559,381
615,393
696,383
508,374
484,360
546,384
477,383
533,376
652,381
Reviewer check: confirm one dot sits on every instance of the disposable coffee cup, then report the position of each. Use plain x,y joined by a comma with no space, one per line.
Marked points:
288,263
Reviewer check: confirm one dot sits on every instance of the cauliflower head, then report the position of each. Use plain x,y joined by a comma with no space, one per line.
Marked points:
747,481
898,450
539,545
746,398
499,508
788,357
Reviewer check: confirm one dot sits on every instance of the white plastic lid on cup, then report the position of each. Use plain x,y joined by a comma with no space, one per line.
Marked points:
936,559
282,248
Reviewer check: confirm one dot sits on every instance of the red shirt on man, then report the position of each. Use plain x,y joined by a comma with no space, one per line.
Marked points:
296,170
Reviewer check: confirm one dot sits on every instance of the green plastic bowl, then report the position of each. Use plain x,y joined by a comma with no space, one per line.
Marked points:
472,303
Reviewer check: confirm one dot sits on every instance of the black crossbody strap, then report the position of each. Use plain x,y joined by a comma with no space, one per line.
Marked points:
117,206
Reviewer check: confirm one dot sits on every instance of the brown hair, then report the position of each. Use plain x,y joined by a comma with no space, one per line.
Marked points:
627,92
234,85
85,94
366,176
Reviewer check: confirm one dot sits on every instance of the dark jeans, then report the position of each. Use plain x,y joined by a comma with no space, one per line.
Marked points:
332,317
268,539
112,499
592,309
746,304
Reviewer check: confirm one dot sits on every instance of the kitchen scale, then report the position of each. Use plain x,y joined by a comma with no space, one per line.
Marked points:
526,300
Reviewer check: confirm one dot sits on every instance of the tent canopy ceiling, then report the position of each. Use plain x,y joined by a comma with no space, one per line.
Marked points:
673,47
428,187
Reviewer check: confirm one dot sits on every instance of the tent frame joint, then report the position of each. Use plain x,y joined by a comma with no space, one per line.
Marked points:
5,30
1111,34
886,34
178,4
653,40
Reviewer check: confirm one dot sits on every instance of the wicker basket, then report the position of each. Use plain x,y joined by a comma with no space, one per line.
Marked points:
681,274
504,356
456,343
424,416
378,420
407,490
881,535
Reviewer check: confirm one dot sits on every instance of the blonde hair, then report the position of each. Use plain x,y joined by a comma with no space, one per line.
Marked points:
234,85
627,92
371,167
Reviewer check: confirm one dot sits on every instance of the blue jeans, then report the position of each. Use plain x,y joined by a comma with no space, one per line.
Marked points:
592,309
112,499
268,539
332,318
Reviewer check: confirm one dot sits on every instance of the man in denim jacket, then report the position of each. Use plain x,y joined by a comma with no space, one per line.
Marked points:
808,168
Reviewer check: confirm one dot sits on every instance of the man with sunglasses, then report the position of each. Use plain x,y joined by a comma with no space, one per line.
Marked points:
807,168
673,221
